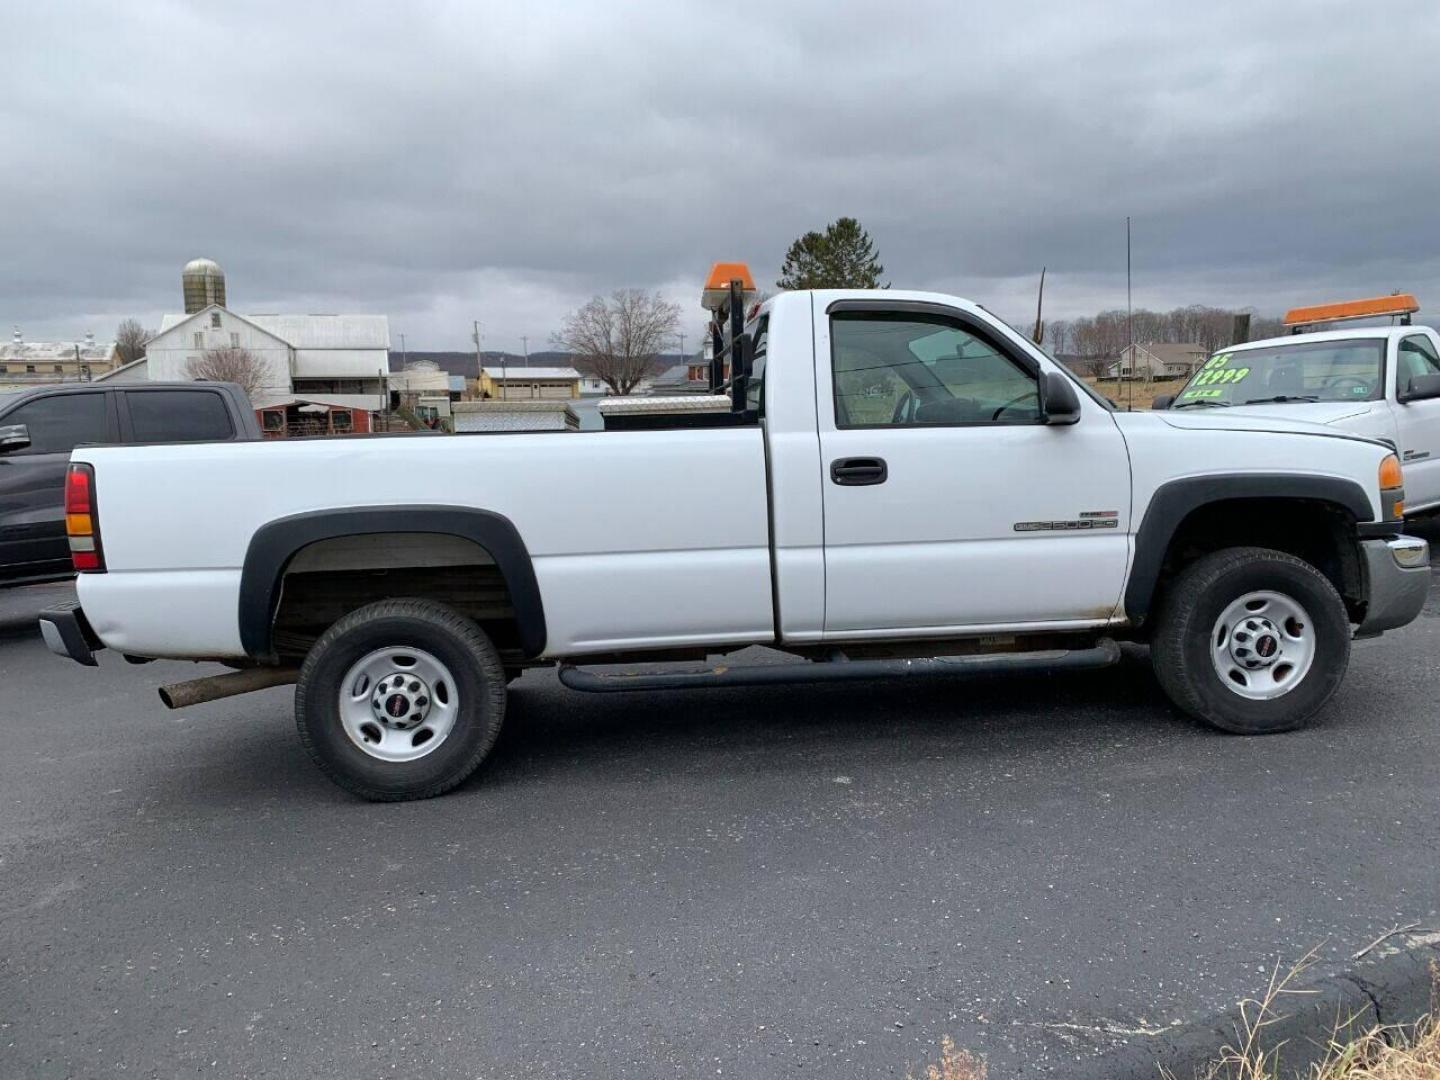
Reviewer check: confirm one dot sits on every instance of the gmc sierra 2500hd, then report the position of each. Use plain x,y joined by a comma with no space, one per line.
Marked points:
901,484
1379,381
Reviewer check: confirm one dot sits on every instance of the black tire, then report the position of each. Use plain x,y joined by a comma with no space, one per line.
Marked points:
455,641
1188,613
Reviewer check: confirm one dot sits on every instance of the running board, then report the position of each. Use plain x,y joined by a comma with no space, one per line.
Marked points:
1105,653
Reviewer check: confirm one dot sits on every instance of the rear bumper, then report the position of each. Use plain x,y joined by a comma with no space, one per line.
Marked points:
1397,580
67,633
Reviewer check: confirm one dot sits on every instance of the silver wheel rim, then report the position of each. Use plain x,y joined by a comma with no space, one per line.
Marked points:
1262,645
398,703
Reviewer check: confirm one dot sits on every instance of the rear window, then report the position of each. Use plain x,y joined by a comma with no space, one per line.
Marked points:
178,416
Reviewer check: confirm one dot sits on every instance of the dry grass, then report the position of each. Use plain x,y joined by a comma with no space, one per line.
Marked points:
1381,1053
953,1065
1393,1054
1138,392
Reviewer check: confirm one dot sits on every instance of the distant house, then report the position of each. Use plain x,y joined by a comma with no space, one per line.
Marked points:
521,383
1157,361
691,377
29,363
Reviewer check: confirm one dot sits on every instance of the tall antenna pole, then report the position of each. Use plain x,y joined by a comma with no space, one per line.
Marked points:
525,346
682,347
1129,322
404,356
1039,334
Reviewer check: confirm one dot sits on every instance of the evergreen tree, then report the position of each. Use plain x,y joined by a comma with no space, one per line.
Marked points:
842,257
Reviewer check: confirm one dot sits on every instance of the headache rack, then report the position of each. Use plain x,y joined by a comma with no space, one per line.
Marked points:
727,290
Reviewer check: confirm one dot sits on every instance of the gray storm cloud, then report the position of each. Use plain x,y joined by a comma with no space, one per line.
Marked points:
444,162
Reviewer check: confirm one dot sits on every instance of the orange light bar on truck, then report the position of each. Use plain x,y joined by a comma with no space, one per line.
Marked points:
1401,304
81,527
717,286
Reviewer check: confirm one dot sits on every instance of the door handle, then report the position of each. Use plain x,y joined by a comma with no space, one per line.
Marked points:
858,471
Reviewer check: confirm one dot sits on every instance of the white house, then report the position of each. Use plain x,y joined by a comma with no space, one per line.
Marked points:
1157,360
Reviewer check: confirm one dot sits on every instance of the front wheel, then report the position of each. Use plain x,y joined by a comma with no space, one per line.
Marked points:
401,699
1251,640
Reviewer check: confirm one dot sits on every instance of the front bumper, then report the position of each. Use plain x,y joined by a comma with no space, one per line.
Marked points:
1397,581
67,633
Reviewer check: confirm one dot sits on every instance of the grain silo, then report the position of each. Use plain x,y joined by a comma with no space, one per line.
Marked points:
204,284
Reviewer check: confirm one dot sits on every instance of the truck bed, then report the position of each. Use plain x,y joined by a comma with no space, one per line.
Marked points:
642,539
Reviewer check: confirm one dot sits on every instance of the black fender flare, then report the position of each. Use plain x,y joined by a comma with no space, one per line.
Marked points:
1173,502
276,543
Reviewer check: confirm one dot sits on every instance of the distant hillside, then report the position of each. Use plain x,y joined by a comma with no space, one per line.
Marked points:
463,363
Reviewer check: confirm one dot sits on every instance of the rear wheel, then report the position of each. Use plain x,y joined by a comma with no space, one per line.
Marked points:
401,699
1251,640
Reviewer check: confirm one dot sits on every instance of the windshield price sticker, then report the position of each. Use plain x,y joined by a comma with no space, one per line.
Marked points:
1216,373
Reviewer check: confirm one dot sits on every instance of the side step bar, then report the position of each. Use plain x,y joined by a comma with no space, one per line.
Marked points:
1105,653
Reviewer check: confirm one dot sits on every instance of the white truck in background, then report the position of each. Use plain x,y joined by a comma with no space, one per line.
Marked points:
901,485
1379,381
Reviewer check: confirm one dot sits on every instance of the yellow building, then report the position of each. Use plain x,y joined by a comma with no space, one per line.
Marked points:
517,382
29,362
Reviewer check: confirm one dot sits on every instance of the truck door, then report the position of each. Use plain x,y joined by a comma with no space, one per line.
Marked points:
948,504
1417,423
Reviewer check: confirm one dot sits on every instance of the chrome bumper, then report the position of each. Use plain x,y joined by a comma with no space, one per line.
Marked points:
1397,581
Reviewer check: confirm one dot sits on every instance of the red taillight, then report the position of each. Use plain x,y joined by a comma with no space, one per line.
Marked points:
81,524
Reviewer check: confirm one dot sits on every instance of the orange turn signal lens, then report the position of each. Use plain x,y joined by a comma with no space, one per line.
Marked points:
1391,475
78,525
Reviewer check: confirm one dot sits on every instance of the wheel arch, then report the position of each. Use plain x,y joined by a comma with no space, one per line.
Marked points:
1179,501
276,544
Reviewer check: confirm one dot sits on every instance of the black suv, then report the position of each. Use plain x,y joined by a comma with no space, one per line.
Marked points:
39,427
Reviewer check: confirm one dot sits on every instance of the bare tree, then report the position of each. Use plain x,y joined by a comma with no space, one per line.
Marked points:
130,339
616,340
230,364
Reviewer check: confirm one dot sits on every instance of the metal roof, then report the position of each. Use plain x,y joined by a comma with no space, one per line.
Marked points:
31,352
311,331
513,373
366,402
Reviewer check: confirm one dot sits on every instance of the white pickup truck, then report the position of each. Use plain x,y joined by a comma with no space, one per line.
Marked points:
1383,382
902,485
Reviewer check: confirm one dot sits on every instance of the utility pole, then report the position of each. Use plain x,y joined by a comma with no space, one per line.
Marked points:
682,346
525,345
480,365
404,356
1129,323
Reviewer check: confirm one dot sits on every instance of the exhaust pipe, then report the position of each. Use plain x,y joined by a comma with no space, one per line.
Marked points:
214,687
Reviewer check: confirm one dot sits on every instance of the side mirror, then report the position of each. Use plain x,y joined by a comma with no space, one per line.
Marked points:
1421,388
1059,404
1162,401
13,437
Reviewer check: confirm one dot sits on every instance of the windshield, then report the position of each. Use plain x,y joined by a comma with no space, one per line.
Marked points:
1349,370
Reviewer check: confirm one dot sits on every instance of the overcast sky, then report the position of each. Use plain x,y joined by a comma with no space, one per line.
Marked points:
441,162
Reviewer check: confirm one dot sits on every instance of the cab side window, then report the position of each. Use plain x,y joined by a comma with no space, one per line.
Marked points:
58,424
1417,357
904,370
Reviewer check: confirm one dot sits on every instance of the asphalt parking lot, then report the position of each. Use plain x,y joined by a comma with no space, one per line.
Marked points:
811,880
